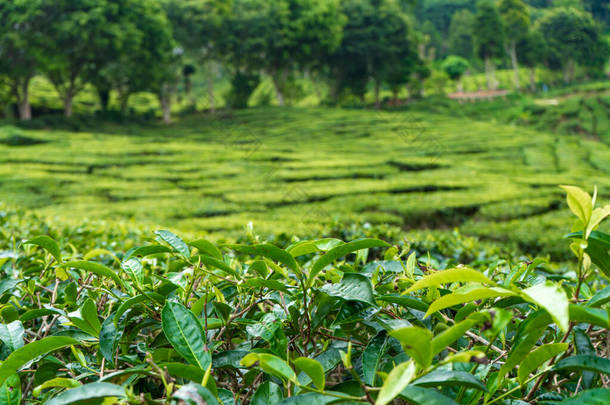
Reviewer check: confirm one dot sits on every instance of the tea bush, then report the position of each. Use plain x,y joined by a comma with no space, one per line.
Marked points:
138,321
300,171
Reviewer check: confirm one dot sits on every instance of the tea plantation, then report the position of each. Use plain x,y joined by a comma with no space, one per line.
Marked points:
303,171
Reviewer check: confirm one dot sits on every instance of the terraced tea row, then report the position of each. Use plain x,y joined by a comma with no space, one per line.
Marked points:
299,170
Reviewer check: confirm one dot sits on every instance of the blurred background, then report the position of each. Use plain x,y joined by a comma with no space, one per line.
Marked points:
450,122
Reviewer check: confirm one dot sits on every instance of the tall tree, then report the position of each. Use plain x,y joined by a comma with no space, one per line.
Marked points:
197,27
300,31
77,33
146,50
377,44
489,37
573,37
533,52
461,41
516,21
20,49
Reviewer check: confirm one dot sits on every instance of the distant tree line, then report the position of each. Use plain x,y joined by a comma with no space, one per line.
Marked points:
124,47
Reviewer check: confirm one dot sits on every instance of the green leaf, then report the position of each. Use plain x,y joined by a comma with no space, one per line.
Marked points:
405,302
195,394
29,352
95,268
12,335
313,369
447,337
441,378
270,364
7,285
110,335
268,393
187,371
144,251
271,252
88,392
206,248
56,383
598,248
582,362
594,316
10,391
583,346
537,357
397,380
372,355
185,333
425,396
127,304
596,396
136,370
340,251
520,350
459,297
353,287
217,264
463,275
260,283
175,242
417,343
86,318
302,248
553,299
48,244
597,216
580,203
600,298
133,267
37,313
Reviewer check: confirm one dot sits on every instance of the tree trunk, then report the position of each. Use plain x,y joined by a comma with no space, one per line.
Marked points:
104,96
25,111
489,73
377,101
166,105
515,63
124,101
211,99
278,90
568,72
533,79
68,104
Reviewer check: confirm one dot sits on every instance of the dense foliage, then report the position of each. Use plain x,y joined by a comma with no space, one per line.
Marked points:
321,321
340,49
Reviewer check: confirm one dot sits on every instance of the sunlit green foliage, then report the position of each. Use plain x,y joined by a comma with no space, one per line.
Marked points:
125,318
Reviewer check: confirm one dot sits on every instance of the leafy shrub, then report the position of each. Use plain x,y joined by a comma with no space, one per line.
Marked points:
318,322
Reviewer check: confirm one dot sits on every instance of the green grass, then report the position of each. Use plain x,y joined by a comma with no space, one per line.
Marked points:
304,170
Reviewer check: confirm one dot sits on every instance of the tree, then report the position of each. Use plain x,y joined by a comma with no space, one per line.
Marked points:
144,53
600,9
532,51
455,67
300,32
19,49
197,27
573,37
378,44
516,21
441,12
489,37
461,41
78,33
280,37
